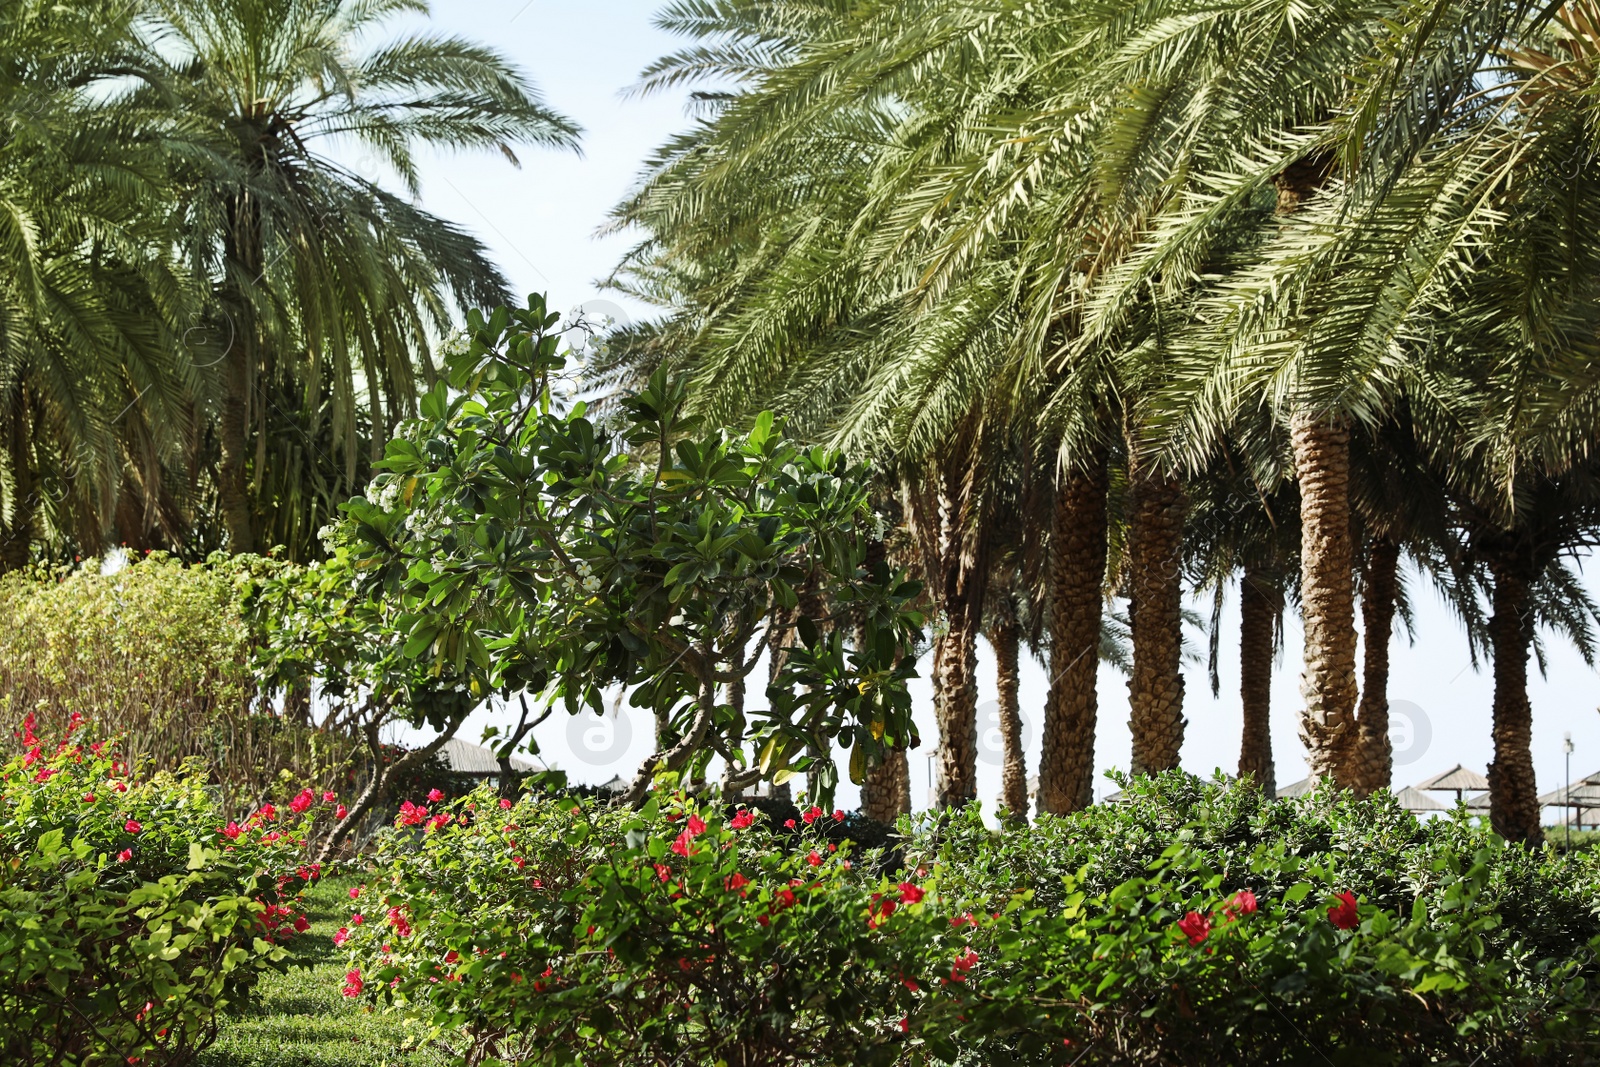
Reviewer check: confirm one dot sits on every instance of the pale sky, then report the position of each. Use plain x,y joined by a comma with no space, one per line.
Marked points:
540,223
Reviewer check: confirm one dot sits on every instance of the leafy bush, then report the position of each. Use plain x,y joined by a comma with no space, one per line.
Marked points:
160,654
1198,925
130,914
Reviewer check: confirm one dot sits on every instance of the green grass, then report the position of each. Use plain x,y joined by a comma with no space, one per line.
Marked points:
299,1018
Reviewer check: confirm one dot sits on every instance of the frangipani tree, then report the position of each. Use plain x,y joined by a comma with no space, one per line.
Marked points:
510,546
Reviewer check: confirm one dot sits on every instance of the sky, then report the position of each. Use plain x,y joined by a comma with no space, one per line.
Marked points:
540,223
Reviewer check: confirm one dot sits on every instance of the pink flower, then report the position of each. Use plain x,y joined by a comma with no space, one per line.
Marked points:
1195,927
342,936
398,920
1345,916
505,804
267,813
328,796
788,824
125,855
910,893
132,826
838,815
342,812
663,871
302,802
412,814
44,775
742,820
434,796
697,825
353,985
357,919
232,831
355,891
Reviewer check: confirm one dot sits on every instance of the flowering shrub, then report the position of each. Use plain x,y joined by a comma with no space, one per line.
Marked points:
131,914
553,932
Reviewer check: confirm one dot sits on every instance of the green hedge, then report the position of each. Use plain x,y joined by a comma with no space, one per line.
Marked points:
131,914
1195,924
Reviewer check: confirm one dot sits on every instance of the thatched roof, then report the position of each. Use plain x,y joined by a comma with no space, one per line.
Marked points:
1296,789
1416,801
1457,778
467,758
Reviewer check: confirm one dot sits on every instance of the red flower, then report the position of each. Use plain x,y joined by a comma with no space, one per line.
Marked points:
812,814
412,814
1243,903
267,813
434,796
764,920
910,893
132,826
328,796
741,820
905,1024
663,871
88,798
342,936
1345,916
962,964
342,812
788,824
353,985
505,804
736,880
814,859
398,920
682,844
357,919
74,721
783,898
301,925
232,831
437,822
302,802
125,855
1195,927
44,775
355,891
121,787
964,920
838,815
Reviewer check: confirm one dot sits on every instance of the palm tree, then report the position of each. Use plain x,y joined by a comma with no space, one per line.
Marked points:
327,287
92,396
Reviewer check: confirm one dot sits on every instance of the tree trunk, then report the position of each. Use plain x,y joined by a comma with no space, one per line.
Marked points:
244,253
1374,756
963,573
886,794
1005,638
1155,556
380,782
1327,593
1077,581
1260,606
1513,793
16,534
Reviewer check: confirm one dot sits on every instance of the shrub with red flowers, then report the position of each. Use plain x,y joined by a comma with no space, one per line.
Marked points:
131,913
695,933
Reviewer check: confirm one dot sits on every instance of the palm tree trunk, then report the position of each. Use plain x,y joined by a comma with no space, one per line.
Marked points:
1327,593
244,256
1513,793
1260,606
886,794
1155,552
955,701
1374,757
1077,581
1005,639
16,534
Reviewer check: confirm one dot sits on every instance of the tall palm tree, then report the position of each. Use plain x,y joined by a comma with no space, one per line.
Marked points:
327,288
92,398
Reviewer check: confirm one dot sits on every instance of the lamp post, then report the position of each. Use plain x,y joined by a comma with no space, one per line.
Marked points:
1566,747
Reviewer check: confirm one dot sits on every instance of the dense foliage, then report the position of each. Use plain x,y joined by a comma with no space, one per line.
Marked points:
511,545
1192,924
132,912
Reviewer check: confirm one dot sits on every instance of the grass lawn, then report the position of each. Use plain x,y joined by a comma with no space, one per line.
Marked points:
299,1019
